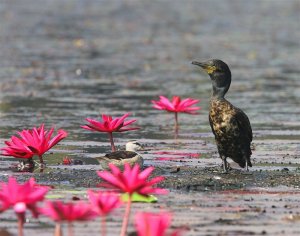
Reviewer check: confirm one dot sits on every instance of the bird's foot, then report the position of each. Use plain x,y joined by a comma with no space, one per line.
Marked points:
246,172
226,168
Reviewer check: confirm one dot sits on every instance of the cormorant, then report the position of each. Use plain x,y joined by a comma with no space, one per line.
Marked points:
229,124
119,158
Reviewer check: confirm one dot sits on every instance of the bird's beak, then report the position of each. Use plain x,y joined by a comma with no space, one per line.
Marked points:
201,64
208,68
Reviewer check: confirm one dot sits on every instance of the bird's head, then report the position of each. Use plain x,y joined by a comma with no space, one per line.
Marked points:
133,146
219,73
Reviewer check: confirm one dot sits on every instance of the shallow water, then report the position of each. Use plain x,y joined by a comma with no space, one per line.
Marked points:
63,61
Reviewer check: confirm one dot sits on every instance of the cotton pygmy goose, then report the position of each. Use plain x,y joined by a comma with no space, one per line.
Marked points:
119,158
229,124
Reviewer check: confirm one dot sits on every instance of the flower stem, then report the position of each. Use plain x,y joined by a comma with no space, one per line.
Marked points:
126,217
57,231
21,220
70,229
176,124
103,225
42,163
112,144
41,160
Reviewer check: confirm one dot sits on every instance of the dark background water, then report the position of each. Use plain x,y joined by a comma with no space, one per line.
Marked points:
63,61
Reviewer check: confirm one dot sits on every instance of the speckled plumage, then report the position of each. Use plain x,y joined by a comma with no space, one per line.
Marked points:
120,155
230,125
232,131
119,158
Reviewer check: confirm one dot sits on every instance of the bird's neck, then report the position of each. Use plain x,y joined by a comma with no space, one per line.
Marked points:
219,93
130,149
220,85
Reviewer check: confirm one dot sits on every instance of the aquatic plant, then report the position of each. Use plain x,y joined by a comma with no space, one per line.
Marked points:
104,203
110,125
67,212
148,224
21,197
131,180
32,142
177,105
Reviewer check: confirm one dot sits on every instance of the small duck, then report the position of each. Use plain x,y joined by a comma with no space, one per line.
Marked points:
119,158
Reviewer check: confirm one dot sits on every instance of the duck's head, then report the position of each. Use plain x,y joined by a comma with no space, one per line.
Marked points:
133,146
219,73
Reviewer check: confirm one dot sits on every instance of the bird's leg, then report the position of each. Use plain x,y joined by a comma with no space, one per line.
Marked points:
225,164
247,169
246,160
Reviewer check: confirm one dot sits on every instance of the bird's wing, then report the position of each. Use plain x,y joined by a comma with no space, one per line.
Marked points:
244,123
211,125
119,155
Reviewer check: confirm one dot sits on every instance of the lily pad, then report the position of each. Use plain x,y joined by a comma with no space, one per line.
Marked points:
139,198
54,196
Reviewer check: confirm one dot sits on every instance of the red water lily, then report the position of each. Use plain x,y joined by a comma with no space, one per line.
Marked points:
110,125
104,203
177,105
29,193
131,180
67,161
21,197
68,212
149,224
32,142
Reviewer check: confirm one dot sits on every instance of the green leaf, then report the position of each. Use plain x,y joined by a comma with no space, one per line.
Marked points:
139,198
54,196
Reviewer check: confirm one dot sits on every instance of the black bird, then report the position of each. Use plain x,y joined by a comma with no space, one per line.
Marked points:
230,125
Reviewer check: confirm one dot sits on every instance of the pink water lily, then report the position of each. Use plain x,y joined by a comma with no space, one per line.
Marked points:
29,193
32,142
149,224
67,212
131,180
104,203
21,197
110,125
177,105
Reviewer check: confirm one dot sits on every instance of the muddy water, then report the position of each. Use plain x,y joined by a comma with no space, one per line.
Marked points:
63,61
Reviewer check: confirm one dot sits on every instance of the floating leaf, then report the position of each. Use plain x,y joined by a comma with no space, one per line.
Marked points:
139,198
